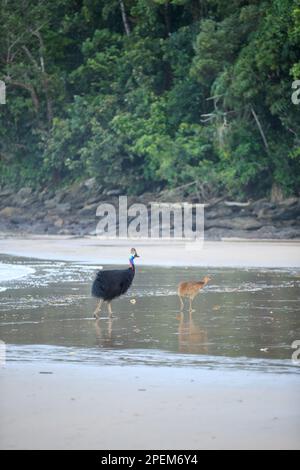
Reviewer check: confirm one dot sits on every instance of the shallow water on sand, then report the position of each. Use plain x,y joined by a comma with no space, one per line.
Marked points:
244,318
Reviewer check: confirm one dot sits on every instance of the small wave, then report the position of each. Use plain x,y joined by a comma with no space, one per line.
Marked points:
248,287
151,292
37,303
234,289
150,357
8,272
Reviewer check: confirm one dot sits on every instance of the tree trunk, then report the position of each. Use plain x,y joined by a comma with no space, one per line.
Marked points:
124,18
197,9
40,68
30,89
167,16
276,193
261,131
45,79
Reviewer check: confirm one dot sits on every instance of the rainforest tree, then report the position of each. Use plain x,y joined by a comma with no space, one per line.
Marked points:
146,94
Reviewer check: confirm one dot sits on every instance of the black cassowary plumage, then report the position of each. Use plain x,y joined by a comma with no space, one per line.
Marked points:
111,284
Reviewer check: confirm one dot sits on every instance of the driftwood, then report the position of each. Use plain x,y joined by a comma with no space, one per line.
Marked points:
183,186
203,191
236,204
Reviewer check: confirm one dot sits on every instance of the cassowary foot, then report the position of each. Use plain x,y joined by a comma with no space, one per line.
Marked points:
98,310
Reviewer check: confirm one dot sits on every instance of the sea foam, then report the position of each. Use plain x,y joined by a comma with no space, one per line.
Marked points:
9,272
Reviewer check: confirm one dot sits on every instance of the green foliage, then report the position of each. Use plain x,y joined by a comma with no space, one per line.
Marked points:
172,92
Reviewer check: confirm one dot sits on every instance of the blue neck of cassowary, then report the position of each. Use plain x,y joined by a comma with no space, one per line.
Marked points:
131,262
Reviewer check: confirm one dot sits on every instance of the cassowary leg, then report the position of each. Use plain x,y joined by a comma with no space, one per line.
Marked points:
191,300
98,309
109,308
181,303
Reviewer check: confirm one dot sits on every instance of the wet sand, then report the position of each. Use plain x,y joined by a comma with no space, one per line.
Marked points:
227,253
146,408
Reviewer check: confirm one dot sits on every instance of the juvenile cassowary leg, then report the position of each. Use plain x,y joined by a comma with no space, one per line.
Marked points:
191,300
181,303
98,309
109,308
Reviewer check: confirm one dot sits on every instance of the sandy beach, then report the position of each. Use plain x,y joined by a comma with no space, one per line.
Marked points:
227,253
68,407
149,380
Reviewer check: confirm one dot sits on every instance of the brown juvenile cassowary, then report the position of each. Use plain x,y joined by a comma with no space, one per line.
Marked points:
191,289
111,284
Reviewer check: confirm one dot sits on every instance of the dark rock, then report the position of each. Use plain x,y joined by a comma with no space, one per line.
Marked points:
23,193
218,212
19,219
8,212
279,212
290,202
64,231
75,194
29,201
6,192
262,204
62,208
39,215
44,195
50,219
59,196
264,213
51,230
214,234
242,223
270,231
90,183
72,211
88,210
39,227
59,222
94,200
50,203
57,208
78,205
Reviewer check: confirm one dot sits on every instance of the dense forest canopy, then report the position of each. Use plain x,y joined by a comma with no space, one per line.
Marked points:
148,94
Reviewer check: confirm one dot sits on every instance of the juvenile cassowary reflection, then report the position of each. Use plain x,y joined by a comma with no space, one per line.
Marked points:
191,337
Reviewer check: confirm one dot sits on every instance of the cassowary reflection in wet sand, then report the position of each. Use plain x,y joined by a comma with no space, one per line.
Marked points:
109,285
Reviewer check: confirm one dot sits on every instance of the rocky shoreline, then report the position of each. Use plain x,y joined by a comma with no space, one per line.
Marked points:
72,211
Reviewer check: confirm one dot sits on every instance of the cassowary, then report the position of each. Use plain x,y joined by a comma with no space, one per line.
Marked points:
191,289
111,284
